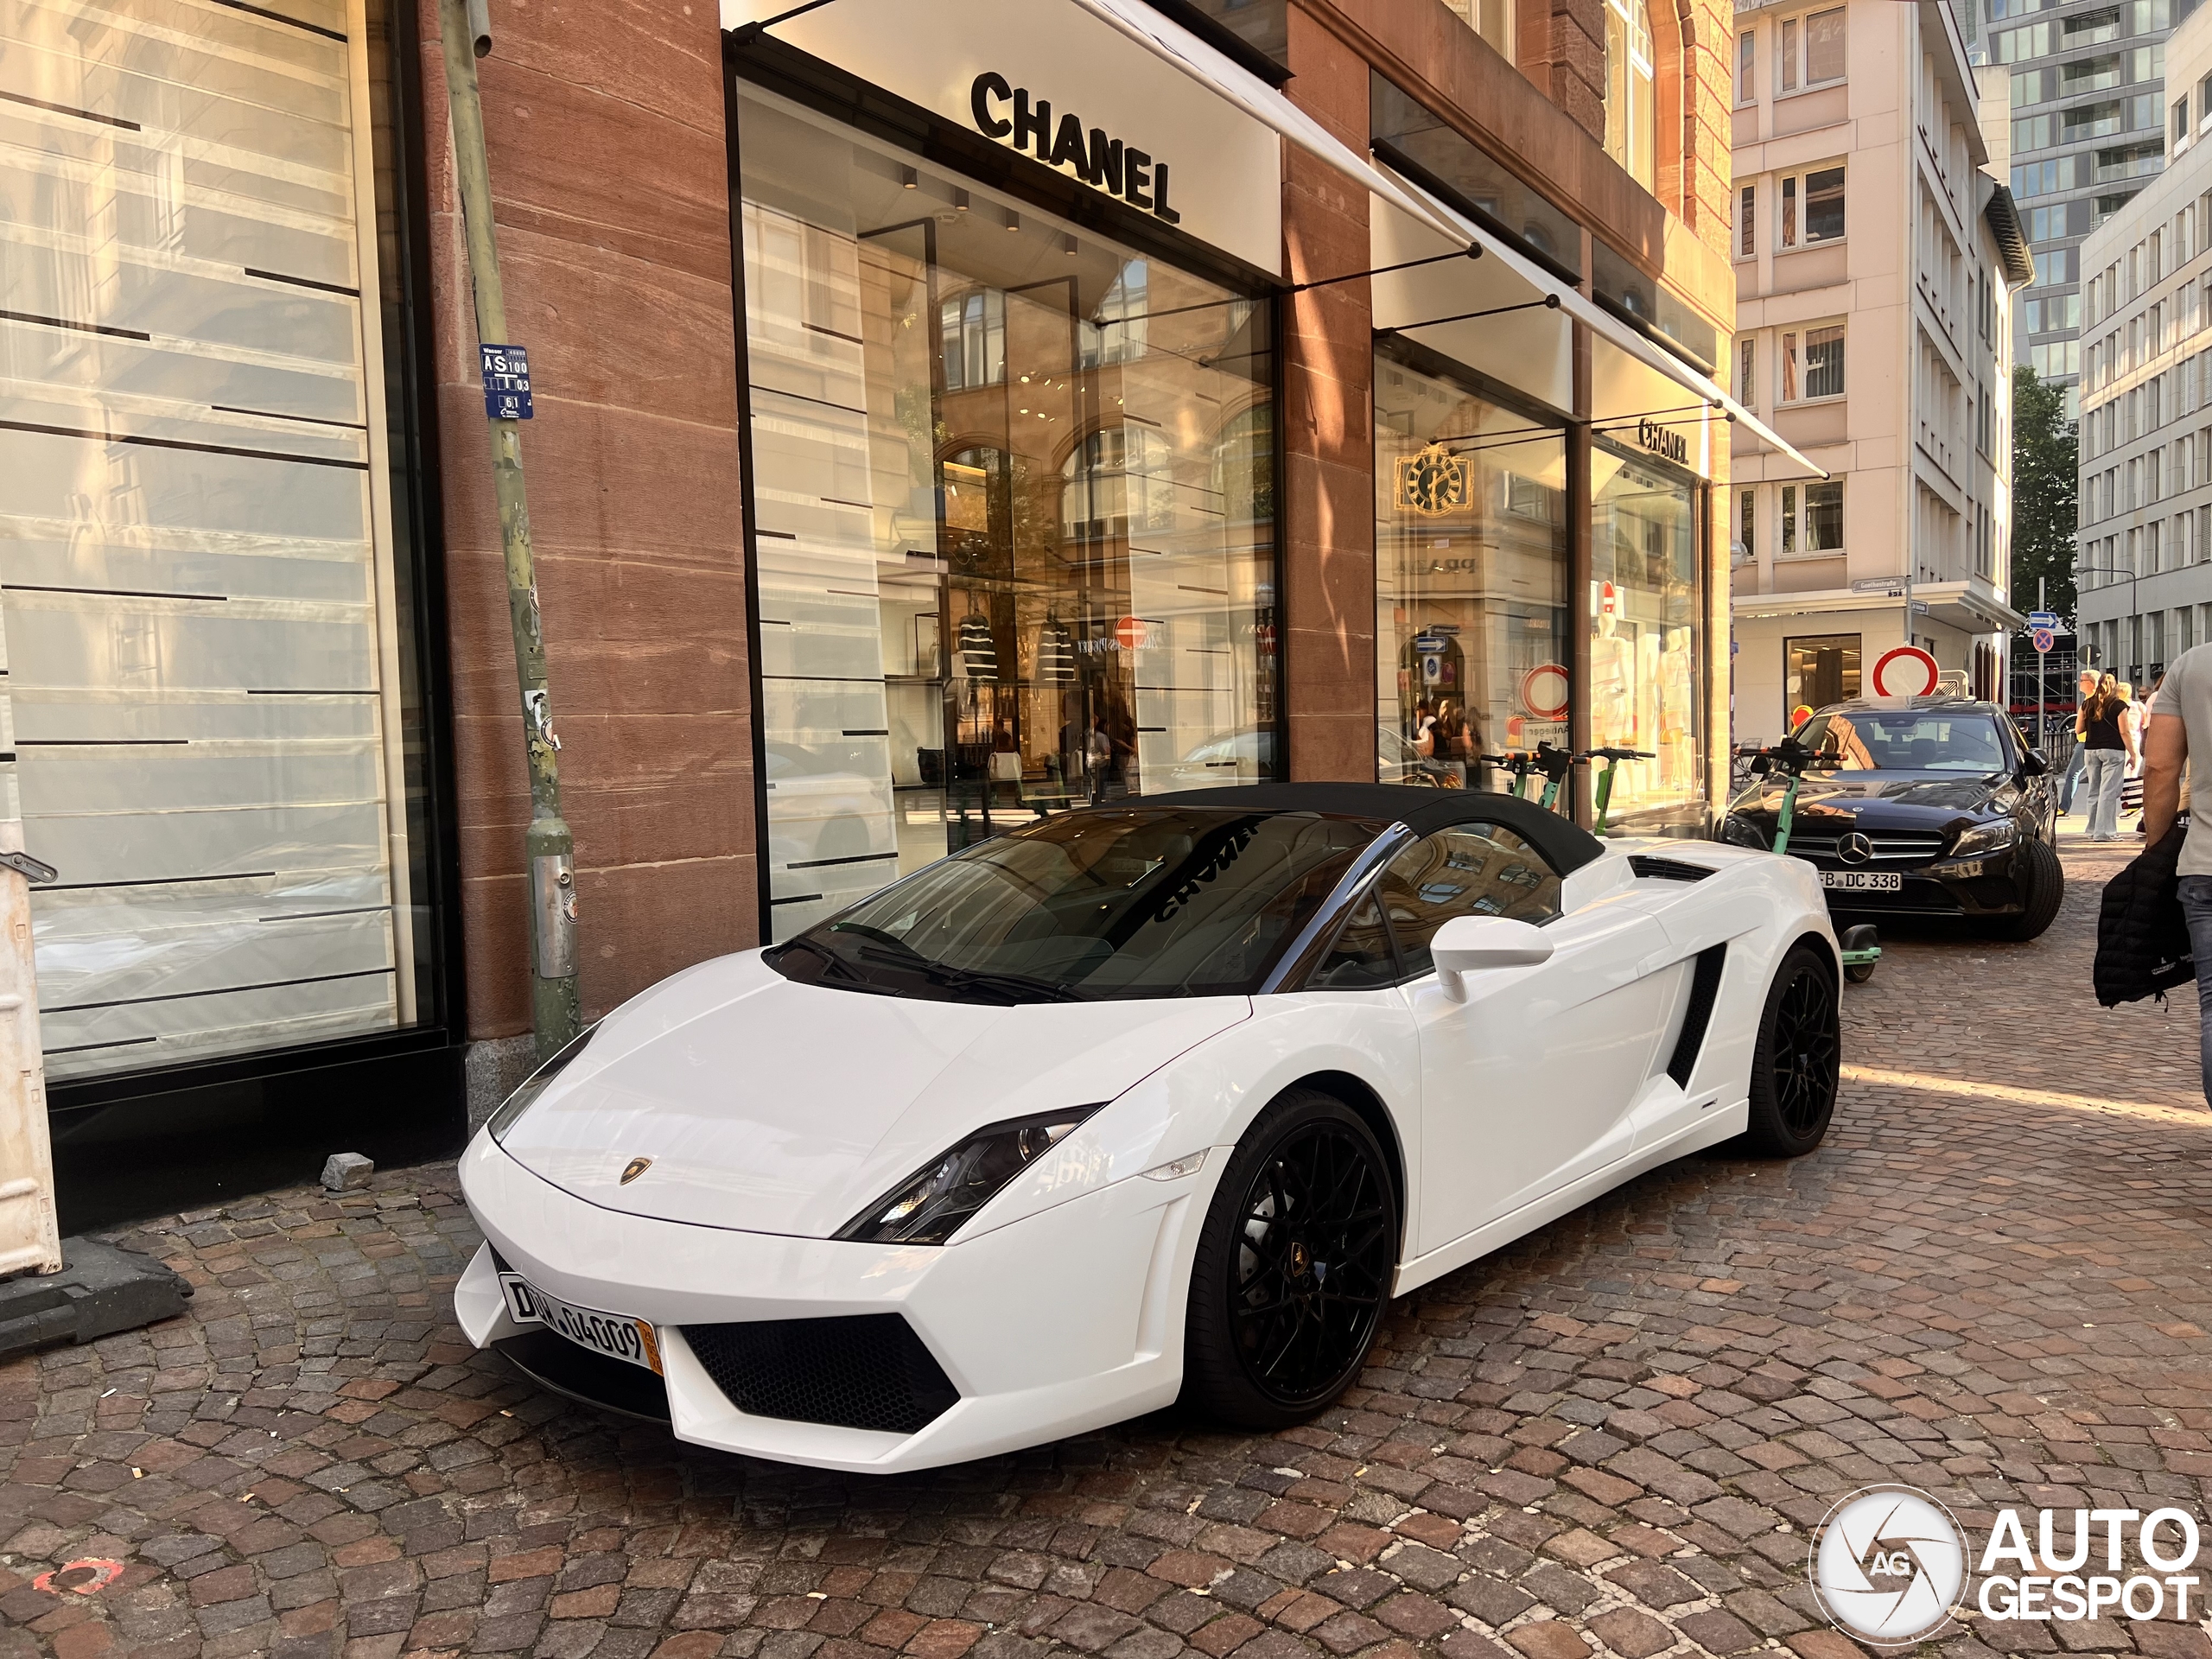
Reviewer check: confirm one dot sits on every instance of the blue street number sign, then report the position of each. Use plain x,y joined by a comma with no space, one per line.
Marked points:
2042,639
507,383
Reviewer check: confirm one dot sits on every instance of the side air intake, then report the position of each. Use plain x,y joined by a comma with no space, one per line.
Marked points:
1704,987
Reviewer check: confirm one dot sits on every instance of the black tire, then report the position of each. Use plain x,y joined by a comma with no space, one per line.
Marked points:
1280,1322
2045,879
1795,1062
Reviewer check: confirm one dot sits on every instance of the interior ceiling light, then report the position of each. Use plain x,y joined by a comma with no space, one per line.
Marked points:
909,179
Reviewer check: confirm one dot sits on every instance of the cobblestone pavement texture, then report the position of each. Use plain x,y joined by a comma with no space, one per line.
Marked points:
1611,1437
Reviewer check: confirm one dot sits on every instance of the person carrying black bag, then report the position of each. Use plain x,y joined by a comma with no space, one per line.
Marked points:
2181,723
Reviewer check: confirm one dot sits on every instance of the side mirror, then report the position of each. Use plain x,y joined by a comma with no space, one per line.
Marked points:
1762,764
1467,944
2032,765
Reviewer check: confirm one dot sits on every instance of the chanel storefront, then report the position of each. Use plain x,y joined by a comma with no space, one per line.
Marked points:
1012,448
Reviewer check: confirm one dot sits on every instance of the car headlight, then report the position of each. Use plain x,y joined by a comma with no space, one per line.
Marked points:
928,1206
1742,832
1985,838
523,1099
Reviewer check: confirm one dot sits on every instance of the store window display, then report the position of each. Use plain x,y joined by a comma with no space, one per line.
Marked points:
1646,609
1470,574
1014,491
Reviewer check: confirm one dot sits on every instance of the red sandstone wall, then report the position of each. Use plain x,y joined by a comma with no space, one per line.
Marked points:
606,133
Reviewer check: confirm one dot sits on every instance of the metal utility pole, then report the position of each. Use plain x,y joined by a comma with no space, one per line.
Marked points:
549,848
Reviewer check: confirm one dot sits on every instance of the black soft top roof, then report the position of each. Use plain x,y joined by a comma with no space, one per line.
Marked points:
1565,845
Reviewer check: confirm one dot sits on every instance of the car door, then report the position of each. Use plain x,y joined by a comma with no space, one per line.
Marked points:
1527,1084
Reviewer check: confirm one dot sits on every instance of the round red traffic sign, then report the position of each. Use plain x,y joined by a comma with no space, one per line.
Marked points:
1544,691
1905,672
1128,633
2042,639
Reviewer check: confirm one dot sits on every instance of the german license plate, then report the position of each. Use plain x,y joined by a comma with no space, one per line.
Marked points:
1862,880
616,1335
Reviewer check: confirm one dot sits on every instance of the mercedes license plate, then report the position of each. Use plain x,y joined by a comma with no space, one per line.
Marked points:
616,1335
1862,880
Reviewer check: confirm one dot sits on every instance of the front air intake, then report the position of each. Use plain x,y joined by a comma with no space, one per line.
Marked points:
867,1371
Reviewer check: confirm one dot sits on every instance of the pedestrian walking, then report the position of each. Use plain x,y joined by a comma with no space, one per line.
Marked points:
2109,743
2071,782
2181,722
1454,739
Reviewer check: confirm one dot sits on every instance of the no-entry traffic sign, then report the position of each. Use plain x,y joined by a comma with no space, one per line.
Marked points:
1904,671
1129,633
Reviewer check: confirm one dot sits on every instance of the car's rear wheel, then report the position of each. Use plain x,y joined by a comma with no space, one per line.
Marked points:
1795,1063
1294,1266
2045,878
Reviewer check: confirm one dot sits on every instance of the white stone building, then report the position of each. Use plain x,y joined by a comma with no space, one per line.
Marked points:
2144,548
1876,248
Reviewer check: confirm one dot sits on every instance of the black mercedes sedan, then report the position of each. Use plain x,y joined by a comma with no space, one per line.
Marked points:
1926,806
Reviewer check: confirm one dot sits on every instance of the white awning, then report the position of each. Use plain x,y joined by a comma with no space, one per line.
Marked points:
1588,312
1221,74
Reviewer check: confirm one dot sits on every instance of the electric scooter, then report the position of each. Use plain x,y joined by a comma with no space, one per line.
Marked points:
1520,763
1601,791
1860,945
1556,765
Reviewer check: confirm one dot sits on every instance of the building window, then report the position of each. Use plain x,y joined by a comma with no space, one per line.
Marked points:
1818,372
1746,56
213,637
1824,362
1824,47
1822,193
1647,605
1789,518
1027,554
1631,106
1824,516
1491,19
1747,518
1470,582
1747,208
1746,364
1785,55
1816,670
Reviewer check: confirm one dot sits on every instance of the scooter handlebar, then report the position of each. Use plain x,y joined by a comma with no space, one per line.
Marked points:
1615,754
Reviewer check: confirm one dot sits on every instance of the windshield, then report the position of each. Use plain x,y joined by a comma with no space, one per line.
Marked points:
1148,901
1908,740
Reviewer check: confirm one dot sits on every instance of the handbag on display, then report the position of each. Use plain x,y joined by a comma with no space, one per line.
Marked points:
1005,766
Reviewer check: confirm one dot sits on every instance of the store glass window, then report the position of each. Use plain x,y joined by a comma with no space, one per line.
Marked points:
1647,608
1471,581
1817,670
1015,490
209,614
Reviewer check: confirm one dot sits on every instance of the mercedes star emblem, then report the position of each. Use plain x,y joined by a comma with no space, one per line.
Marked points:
1855,848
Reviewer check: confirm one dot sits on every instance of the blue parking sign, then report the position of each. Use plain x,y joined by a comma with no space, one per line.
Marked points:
506,382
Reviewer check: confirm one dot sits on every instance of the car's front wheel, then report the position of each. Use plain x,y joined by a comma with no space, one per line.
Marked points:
2043,879
1797,1062
1294,1268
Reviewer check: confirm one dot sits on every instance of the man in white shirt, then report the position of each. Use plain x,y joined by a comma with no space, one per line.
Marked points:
2180,721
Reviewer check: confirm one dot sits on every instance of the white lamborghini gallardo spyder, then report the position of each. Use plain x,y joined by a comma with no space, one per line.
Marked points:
1161,1099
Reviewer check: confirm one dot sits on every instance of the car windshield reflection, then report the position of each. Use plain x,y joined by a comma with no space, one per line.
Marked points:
1915,741
1145,902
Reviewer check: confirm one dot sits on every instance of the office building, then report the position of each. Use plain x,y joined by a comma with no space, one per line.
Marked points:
1875,251
2143,559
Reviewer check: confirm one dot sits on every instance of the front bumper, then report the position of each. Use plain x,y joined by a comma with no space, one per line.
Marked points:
1059,1323
1986,885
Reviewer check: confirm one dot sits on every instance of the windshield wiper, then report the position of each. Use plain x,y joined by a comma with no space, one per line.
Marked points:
1012,987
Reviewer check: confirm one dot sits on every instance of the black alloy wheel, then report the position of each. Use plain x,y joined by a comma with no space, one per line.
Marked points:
1294,1269
1797,1062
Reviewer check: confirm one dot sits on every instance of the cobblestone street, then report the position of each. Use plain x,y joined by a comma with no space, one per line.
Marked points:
1611,1438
